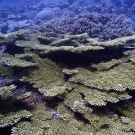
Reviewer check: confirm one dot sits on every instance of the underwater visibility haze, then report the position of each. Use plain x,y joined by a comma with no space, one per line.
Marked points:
67,67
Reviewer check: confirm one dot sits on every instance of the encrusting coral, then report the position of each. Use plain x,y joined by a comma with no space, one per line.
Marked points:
61,97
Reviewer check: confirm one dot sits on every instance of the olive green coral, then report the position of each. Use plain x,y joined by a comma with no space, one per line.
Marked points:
71,40
11,37
6,91
107,65
6,71
14,61
24,96
30,44
70,43
47,77
14,117
115,126
56,90
93,96
116,42
107,80
25,128
81,95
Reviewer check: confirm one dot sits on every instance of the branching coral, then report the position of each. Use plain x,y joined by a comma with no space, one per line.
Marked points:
101,26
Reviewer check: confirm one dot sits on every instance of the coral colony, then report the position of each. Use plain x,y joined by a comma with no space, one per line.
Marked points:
70,73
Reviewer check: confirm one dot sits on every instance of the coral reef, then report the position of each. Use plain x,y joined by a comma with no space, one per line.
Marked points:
51,76
15,62
12,118
67,84
54,3
6,91
102,26
107,80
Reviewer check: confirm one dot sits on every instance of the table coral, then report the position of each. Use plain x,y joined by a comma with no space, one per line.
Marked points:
95,97
14,117
47,77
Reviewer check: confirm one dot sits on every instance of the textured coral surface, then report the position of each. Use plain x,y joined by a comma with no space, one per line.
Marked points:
67,85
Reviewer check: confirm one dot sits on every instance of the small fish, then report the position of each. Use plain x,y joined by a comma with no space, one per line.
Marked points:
56,116
129,47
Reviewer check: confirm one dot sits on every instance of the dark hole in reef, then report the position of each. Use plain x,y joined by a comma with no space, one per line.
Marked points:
132,93
44,41
84,59
66,77
104,126
79,117
5,130
110,109
13,49
53,102
23,87
82,95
